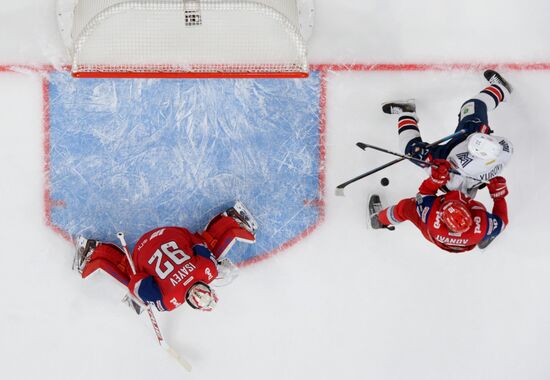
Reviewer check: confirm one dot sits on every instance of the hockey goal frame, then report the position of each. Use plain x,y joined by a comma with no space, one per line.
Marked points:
76,44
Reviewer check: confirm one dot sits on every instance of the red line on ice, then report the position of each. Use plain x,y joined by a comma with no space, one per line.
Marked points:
48,203
320,202
542,66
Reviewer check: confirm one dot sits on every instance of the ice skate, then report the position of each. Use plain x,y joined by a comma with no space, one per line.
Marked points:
495,78
245,219
84,249
398,107
375,206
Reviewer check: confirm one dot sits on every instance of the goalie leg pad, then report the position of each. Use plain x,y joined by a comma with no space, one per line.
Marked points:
222,232
110,259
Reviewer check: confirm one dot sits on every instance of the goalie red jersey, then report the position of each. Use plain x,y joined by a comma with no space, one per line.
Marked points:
173,265
168,262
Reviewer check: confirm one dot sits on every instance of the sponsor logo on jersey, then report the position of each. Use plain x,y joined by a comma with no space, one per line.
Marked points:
175,302
157,233
437,221
209,274
464,159
142,244
182,273
477,221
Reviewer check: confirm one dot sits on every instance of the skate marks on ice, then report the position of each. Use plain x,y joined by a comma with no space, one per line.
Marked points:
134,154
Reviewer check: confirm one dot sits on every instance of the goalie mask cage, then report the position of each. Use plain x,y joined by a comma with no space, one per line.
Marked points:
184,38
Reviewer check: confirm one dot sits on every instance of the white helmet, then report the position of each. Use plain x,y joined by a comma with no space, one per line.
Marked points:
200,296
484,146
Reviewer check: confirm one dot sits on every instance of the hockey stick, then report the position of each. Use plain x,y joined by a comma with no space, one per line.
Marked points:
340,188
403,156
407,157
181,360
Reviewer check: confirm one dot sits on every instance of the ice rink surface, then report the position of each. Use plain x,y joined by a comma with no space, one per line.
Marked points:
344,302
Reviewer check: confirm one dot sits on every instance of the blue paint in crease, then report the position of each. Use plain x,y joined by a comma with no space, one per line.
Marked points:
135,154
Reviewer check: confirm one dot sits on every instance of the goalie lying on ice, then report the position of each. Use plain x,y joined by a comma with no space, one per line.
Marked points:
173,265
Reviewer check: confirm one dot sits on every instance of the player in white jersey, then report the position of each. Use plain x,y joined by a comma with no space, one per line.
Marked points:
481,157
475,153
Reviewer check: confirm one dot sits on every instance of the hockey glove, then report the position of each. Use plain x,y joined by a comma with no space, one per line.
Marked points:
440,173
420,150
497,188
227,272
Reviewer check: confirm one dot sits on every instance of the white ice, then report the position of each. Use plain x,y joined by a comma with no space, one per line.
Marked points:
345,303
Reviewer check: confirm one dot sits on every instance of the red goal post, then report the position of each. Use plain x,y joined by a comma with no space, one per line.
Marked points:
184,38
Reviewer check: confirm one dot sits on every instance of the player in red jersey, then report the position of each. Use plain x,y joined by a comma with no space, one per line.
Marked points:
453,221
173,265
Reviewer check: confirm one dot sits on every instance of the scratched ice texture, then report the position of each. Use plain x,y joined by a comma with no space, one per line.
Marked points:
132,155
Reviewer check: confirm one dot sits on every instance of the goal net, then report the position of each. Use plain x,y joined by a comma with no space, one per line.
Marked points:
185,38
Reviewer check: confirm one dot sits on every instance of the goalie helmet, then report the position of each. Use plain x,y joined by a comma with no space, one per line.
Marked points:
484,146
202,297
456,215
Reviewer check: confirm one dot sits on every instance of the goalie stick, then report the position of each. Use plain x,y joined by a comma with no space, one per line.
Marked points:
181,360
340,188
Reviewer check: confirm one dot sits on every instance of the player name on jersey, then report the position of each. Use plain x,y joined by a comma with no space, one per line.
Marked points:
182,273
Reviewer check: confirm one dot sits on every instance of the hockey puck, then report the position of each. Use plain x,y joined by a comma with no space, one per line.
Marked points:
384,181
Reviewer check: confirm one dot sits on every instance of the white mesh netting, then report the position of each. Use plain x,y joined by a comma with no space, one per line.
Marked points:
176,36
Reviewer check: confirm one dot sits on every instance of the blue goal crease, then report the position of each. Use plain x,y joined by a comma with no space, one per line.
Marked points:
135,154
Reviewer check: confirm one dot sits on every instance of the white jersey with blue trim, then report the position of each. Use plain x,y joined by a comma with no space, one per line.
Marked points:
471,166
